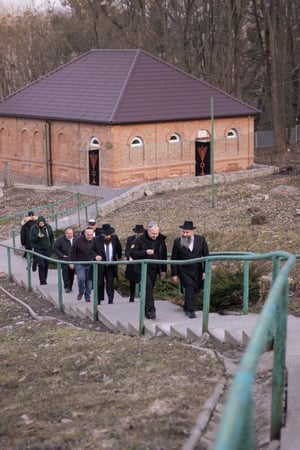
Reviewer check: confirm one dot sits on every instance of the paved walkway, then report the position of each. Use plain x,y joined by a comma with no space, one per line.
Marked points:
123,316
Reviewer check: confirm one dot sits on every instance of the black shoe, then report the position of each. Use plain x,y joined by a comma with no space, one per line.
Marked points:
110,302
79,296
150,315
131,300
87,300
191,314
42,284
33,268
67,290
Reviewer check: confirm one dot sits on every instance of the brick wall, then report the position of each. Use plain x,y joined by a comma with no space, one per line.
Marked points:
56,152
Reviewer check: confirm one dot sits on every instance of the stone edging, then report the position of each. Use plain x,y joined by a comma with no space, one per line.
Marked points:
175,184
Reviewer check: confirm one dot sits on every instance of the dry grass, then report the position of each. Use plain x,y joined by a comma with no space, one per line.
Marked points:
64,387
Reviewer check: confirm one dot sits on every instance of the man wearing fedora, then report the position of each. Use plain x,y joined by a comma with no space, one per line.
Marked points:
106,247
151,245
131,272
191,276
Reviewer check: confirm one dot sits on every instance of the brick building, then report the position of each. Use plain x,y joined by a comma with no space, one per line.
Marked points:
121,117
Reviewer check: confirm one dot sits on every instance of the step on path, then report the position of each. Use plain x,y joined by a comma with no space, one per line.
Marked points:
123,316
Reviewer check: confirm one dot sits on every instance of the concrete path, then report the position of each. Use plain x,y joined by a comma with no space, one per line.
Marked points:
123,316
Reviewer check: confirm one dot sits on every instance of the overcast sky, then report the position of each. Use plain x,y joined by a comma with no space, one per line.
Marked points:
16,4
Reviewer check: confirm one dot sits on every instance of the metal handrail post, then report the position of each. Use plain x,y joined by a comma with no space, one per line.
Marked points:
248,437
28,261
14,239
95,287
143,296
78,207
279,364
59,284
246,288
206,296
275,267
9,264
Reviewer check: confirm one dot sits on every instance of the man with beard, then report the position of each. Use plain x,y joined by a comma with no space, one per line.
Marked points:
191,276
106,247
151,245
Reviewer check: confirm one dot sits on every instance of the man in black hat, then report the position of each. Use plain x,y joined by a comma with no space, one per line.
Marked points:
191,276
131,272
106,247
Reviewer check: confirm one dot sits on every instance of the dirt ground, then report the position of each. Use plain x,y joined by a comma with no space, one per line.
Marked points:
71,384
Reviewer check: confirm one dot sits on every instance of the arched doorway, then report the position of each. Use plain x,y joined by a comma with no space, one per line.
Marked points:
94,162
202,153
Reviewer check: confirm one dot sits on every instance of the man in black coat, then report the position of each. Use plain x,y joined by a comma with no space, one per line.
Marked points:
130,271
61,247
26,225
191,276
151,245
106,247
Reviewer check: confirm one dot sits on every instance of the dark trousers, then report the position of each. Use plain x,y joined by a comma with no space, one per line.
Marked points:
132,288
43,265
68,276
189,297
107,278
150,283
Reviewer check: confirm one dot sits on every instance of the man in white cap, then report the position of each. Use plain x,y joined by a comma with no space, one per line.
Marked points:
191,276
93,224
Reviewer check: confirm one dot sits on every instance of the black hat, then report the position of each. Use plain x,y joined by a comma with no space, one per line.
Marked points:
187,225
107,229
30,213
138,229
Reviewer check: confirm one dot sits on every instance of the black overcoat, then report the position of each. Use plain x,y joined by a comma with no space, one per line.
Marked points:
131,271
140,246
97,248
189,274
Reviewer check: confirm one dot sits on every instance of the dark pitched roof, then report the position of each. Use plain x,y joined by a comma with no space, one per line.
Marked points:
120,86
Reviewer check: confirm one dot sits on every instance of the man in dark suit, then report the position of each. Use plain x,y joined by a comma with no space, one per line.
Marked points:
61,247
151,245
191,276
106,247
130,271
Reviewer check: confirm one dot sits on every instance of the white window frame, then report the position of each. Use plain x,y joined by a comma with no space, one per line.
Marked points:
175,138
137,142
232,134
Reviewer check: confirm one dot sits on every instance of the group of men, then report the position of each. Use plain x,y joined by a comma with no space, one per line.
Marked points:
151,244
102,244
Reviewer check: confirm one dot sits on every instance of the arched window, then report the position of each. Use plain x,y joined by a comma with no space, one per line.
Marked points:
232,134
137,142
94,143
174,138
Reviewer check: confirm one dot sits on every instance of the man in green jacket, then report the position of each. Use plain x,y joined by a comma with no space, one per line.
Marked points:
42,238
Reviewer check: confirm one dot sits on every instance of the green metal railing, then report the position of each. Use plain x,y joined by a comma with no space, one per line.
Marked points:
48,206
237,430
237,426
53,215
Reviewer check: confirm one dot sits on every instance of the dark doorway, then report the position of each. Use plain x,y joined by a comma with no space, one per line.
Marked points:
202,166
94,167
